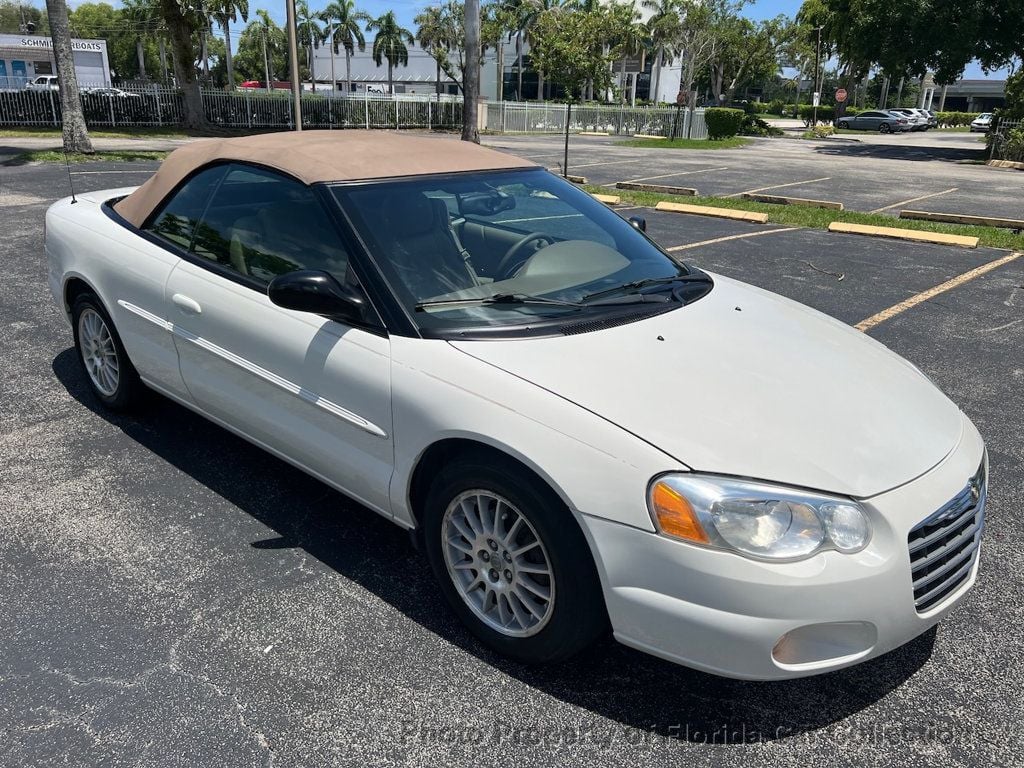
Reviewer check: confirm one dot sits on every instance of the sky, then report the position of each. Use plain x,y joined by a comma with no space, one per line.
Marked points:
406,10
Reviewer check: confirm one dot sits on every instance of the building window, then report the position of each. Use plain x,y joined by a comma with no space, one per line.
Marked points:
43,67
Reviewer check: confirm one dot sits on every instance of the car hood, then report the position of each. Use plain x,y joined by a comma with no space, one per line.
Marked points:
745,382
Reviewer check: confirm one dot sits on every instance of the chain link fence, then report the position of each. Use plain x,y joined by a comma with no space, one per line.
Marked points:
537,117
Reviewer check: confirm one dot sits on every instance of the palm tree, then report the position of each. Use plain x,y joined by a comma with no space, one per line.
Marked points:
226,12
264,29
662,28
183,20
143,18
434,35
390,43
528,11
631,40
310,34
345,23
76,134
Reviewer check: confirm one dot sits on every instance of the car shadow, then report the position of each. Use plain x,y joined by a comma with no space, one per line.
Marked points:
897,151
615,682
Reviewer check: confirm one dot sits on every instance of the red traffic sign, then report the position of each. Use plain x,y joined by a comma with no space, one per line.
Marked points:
841,95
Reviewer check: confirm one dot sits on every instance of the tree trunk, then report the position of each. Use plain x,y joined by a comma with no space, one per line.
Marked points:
140,53
206,59
622,80
391,82
471,76
437,62
184,70
500,82
227,56
653,96
163,60
76,134
334,78
540,85
312,66
266,62
519,65
348,72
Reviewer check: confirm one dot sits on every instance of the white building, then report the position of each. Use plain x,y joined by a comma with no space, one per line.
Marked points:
25,57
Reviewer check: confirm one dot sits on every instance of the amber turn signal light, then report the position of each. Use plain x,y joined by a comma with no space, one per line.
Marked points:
675,514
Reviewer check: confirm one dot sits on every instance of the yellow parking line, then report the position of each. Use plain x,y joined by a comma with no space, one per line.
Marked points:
914,200
920,298
777,186
729,237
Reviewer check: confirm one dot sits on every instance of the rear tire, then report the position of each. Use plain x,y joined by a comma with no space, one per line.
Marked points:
543,601
884,128
111,375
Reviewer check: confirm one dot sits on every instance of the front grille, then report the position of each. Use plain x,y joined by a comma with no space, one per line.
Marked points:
944,546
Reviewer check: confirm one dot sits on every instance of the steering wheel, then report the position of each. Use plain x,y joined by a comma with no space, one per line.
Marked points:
513,260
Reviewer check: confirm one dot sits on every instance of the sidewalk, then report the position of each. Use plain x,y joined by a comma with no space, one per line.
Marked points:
10,146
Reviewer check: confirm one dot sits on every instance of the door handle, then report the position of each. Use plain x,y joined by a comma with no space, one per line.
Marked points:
187,305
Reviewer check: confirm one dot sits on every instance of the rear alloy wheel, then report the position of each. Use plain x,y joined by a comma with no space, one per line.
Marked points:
512,561
884,128
843,124
112,377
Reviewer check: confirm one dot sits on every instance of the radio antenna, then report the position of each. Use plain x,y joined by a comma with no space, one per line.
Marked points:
67,164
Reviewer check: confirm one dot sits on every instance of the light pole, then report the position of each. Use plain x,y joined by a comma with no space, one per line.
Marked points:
293,59
816,96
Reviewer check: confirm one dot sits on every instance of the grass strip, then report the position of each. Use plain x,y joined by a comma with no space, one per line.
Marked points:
819,218
56,156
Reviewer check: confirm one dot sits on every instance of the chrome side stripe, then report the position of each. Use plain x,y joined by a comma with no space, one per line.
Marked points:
269,376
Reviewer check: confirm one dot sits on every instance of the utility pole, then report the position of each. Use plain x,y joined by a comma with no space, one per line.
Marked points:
293,60
471,85
266,62
817,88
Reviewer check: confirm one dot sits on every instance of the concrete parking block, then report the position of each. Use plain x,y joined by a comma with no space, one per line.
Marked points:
706,210
660,188
904,234
960,218
784,200
608,199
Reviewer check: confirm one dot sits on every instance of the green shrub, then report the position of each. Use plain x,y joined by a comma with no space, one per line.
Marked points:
1013,145
819,132
955,119
755,126
722,122
826,114
776,107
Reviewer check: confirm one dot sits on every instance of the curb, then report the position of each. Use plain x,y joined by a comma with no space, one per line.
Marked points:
1006,164
607,199
576,179
904,234
647,136
593,133
719,213
784,200
960,218
665,190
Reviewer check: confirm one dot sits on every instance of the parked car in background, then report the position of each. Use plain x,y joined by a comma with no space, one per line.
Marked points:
917,122
114,92
928,116
876,120
982,123
490,358
43,83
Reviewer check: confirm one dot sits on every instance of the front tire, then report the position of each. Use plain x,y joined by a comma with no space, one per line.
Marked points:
843,124
111,375
512,561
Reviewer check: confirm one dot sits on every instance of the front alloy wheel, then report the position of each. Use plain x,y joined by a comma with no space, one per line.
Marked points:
498,563
511,559
112,377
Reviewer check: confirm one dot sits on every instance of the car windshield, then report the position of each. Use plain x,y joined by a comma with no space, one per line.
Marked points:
510,248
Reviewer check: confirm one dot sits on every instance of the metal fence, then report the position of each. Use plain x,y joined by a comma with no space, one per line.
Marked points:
528,117
159,106
244,108
1006,140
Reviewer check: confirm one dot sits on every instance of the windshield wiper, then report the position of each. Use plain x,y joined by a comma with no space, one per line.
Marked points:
638,284
499,298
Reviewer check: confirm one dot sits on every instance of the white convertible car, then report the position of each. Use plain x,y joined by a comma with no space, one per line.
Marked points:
581,431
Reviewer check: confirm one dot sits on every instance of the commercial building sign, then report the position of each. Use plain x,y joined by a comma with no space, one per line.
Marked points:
45,43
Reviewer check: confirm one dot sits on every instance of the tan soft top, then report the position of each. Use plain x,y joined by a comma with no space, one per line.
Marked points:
314,156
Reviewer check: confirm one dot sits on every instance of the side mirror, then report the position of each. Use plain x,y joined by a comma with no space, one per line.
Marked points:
638,222
316,291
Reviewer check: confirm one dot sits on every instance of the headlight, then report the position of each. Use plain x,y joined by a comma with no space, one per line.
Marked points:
760,520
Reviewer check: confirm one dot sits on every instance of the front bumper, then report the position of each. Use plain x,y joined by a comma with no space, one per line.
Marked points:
726,614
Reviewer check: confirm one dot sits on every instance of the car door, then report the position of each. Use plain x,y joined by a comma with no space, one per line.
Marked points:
311,389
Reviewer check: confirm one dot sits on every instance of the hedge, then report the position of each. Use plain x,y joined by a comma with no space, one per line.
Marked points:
722,122
955,119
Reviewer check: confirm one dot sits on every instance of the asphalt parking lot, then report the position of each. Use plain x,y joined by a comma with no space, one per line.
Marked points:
174,596
922,171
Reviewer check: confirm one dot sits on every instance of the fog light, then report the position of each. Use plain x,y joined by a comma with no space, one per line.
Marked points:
825,644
